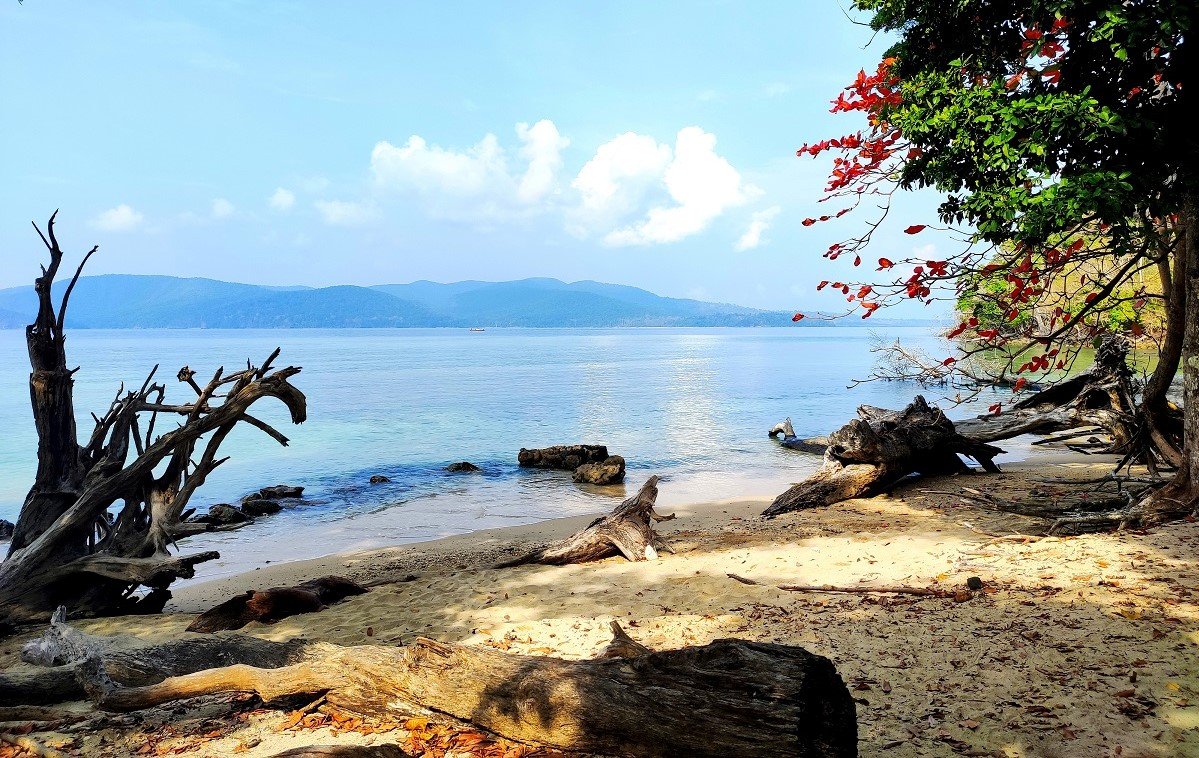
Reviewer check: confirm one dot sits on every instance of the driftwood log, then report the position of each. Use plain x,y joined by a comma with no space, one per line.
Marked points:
271,605
785,433
628,530
765,699
874,451
729,697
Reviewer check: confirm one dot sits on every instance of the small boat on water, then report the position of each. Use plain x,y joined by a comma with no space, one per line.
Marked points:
477,329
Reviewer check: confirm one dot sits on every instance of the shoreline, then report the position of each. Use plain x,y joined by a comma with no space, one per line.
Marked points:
1076,646
496,543
391,563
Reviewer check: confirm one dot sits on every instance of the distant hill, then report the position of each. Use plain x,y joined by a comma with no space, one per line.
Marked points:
126,301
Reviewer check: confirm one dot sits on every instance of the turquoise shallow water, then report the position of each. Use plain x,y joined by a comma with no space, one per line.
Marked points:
692,405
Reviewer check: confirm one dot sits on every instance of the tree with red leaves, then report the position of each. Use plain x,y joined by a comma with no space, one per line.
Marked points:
1060,134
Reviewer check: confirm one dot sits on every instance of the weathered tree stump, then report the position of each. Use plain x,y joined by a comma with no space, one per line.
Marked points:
276,603
873,452
628,531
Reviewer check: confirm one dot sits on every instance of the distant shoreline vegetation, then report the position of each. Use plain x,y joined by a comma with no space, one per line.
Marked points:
126,301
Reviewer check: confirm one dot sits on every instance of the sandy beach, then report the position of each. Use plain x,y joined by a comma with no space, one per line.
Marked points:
1079,646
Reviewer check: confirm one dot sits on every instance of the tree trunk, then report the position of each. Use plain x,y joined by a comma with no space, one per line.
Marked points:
1161,422
873,452
1180,497
787,438
60,471
628,530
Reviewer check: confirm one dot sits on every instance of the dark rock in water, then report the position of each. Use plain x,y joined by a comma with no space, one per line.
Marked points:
6,529
610,471
277,492
223,513
563,457
462,466
260,507
379,479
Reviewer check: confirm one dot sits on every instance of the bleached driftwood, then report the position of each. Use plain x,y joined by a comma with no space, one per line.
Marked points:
628,530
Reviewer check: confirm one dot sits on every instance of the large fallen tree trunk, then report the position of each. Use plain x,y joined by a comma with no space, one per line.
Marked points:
97,523
1101,396
729,697
628,531
873,452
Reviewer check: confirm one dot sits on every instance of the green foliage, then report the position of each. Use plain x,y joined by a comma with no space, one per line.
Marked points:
1035,116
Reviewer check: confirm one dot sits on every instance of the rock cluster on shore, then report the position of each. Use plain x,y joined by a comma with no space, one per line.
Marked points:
590,464
263,502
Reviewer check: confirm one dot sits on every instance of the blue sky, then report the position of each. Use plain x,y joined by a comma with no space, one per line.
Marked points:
322,143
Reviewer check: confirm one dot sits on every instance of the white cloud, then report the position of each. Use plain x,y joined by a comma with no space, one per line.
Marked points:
702,185
345,213
122,218
758,224
282,199
615,182
542,149
776,89
222,208
478,181
633,190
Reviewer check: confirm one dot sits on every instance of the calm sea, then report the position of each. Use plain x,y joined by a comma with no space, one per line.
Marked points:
692,405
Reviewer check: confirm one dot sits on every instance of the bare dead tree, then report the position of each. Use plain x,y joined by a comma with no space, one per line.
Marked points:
101,515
